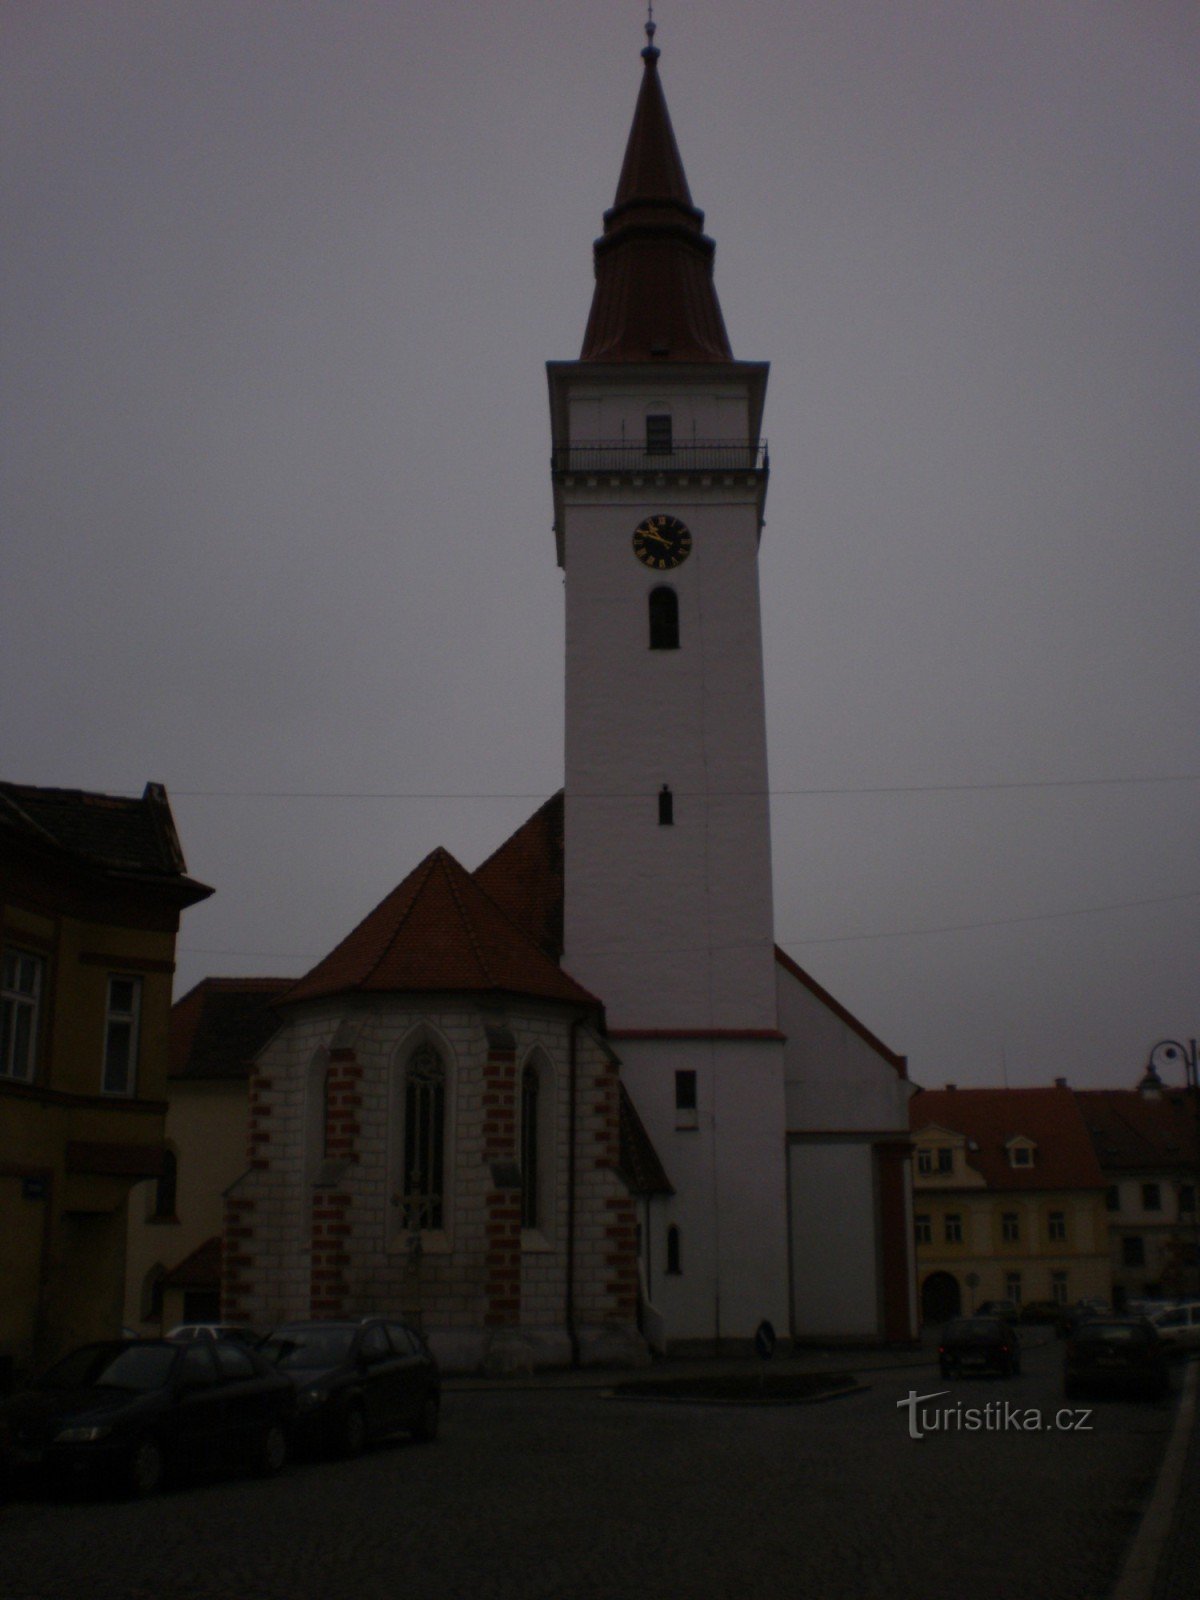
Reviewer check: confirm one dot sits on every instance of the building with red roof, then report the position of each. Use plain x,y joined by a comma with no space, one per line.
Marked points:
1146,1141
1008,1199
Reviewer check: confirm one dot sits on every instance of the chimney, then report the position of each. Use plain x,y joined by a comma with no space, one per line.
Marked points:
1060,1083
950,1086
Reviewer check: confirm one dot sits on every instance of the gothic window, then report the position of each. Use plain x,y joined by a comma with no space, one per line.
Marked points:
423,1183
664,618
530,1175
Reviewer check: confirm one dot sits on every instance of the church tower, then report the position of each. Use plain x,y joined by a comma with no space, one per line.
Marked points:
660,478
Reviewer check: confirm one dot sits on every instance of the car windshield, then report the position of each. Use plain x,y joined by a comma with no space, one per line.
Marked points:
136,1368
309,1347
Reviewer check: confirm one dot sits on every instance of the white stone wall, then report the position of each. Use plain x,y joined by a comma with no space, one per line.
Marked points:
672,926
836,1291
729,1177
835,1079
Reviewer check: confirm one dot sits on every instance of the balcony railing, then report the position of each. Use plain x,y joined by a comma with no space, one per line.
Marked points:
620,455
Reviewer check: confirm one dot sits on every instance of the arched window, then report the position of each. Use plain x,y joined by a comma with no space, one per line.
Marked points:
664,619
674,1259
530,1176
325,1112
423,1184
165,1187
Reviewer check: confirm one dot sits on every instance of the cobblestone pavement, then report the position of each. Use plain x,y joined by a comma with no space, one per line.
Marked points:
563,1493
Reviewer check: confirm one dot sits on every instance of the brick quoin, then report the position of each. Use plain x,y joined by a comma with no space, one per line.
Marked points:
502,1208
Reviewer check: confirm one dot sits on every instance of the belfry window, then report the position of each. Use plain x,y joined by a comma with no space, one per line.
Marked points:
664,619
658,434
423,1187
530,1217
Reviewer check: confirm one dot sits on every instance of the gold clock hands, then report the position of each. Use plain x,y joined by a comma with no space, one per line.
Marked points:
647,534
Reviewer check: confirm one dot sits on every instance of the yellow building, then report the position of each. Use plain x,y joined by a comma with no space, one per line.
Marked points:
1008,1200
91,891
173,1262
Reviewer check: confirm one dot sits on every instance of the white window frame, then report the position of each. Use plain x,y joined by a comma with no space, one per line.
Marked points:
1056,1227
120,1017
19,1002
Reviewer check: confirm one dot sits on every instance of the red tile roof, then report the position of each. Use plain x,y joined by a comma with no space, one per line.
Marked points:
525,876
654,298
218,1027
1138,1133
1051,1118
439,930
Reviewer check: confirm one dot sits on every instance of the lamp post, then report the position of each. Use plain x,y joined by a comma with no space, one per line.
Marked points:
1173,1053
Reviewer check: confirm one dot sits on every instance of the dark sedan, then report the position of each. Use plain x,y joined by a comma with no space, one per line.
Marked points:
128,1411
357,1380
979,1344
1118,1355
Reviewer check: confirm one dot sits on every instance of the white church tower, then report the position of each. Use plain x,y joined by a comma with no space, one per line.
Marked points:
660,478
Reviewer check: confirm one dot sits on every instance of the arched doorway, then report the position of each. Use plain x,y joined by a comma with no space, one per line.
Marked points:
941,1297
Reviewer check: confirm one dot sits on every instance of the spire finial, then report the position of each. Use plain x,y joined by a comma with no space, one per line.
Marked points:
651,52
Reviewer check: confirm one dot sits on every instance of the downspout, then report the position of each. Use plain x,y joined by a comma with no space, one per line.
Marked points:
572,1096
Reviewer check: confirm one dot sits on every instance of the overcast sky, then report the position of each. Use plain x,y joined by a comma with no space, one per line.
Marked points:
280,280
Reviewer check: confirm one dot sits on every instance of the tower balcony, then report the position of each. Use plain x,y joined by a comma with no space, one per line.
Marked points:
622,458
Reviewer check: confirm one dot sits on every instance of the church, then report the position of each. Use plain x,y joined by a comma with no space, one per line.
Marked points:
577,1105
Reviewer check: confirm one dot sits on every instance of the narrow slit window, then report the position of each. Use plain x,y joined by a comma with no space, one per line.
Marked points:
664,619
674,1256
666,807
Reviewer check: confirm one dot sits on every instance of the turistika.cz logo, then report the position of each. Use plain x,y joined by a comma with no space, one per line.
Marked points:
998,1416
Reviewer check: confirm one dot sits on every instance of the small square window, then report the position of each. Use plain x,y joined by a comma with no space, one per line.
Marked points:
1021,1155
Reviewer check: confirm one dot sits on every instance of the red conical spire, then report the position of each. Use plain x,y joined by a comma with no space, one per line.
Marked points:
654,298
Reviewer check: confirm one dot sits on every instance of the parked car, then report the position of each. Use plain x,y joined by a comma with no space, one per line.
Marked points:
1118,1355
1041,1311
1178,1326
216,1330
357,1380
1005,1309
1073,1317
979,1344
128,1411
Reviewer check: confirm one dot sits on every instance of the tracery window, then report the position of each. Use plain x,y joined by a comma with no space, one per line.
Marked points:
530,1175
423,1184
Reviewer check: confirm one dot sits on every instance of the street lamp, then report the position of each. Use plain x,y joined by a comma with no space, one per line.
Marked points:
1173,1053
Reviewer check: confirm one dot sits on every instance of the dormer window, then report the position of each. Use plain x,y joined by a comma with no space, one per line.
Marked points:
658,433
1020,1155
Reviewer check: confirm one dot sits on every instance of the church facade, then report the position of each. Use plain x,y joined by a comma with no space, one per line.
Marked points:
578,1103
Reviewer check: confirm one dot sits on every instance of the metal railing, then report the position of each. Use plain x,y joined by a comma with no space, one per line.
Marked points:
621,455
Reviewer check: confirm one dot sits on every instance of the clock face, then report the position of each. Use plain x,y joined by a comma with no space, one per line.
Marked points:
661,542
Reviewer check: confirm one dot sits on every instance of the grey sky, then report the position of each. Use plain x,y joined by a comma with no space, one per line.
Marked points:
280,282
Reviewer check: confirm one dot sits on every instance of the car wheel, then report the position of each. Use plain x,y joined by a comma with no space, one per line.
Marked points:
427,1422
272,1451
352,1439
146,1468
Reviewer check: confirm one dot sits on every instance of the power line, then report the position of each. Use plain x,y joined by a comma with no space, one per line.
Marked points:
848,789
787,942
